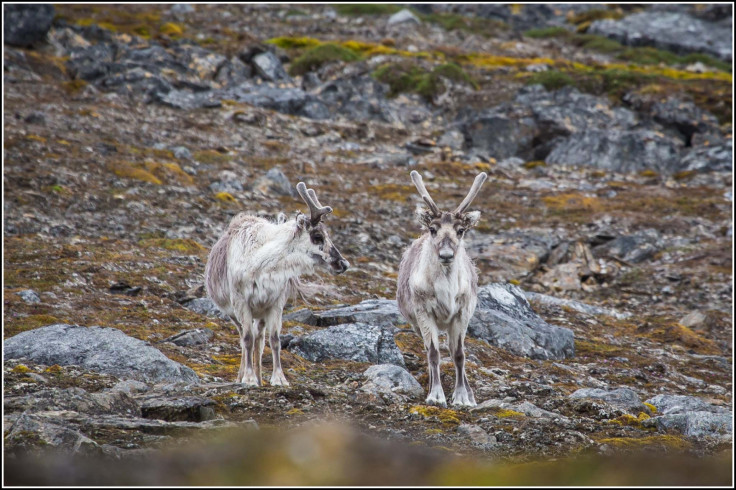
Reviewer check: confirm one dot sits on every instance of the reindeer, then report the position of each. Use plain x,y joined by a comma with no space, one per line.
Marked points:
255,267
437,287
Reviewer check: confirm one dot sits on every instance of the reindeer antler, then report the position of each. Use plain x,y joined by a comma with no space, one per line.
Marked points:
479,179
417,179
315,208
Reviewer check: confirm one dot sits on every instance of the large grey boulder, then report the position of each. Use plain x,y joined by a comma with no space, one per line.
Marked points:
674,31
692,416
623,398
35,428
75,399
357,342
403,17
382,312
105,350
391,379
268,66
205,306
618,150
673,404
25,25
505,319
634,248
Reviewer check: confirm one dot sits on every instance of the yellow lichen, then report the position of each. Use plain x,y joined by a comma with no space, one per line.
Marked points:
225,197
446,416
506,413
665,442
630,420
184,245
295,411
127,170
20,368
171,29
651,407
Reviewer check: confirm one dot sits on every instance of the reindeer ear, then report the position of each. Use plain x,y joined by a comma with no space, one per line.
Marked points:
302,221
471,219
424,216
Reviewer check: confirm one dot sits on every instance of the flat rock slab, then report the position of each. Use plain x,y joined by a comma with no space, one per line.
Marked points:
622,398
205,306
505,319
391,379
379,312
673,31
359,342
100,349
575,305
673,404
189,338
697,424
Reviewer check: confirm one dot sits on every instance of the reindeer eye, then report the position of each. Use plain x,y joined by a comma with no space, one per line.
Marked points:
460,231
433,230
318,239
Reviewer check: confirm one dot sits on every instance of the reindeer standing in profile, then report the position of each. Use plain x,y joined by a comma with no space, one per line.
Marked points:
437,287
255,267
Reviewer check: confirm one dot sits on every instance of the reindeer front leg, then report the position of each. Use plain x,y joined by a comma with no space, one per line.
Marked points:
258,345
430,335
246,374
463,394
273,326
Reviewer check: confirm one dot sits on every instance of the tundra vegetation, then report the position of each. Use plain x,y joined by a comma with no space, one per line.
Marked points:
134,134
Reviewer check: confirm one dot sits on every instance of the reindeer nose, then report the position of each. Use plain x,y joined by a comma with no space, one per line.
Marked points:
344,264
446,255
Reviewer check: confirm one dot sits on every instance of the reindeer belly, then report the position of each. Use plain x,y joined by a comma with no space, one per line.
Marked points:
447,305
264,293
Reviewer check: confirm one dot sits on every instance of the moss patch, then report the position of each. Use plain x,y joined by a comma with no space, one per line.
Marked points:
659,442
445,416
410,77
317,56
184,245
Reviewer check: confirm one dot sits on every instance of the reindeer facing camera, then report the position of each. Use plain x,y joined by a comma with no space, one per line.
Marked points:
438,285
255,267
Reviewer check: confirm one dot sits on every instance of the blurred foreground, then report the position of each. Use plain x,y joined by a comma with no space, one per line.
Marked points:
336,454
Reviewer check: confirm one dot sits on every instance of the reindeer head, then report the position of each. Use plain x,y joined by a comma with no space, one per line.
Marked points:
447,229
315,238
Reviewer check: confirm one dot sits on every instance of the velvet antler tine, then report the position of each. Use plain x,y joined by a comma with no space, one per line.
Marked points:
479,179
419,184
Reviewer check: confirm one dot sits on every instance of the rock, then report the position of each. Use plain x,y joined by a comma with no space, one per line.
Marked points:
205,306
274,182
29,296
711,158
93,63
526,408
476,434
286,100
402,17
29,430
391,379
181,8
622,398
188,338
106,350
181,153
675,404
634,248
233,72
380,312
575,305
187,408
26,25
186,100
696,424
694,319
505,319
268,67
673,31
618,150
76,400
358,342
498,135
453,138
35,117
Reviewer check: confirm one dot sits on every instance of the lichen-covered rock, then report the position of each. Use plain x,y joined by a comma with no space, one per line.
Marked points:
205,306
697,424
391,379
673,404
357,342
673,31
623,398
106,350
188,338
505,319
30,430
74,399
403,17
25,25
268,66
274,182
29,296
634,248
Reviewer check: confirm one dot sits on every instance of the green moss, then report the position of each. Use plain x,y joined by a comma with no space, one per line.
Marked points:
451,22
14,326
294,42
410,77
552,80
211,157
128,170
74,86
317,56
547,32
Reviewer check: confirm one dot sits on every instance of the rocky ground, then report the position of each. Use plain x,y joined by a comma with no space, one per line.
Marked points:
604,325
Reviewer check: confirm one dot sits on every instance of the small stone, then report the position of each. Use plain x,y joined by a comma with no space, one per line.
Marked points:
29,296
182,153
402,17
694,319
476,434
391,379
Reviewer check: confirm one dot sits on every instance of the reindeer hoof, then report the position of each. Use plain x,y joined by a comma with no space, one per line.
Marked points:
279,380
251,380
463,399
436,400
